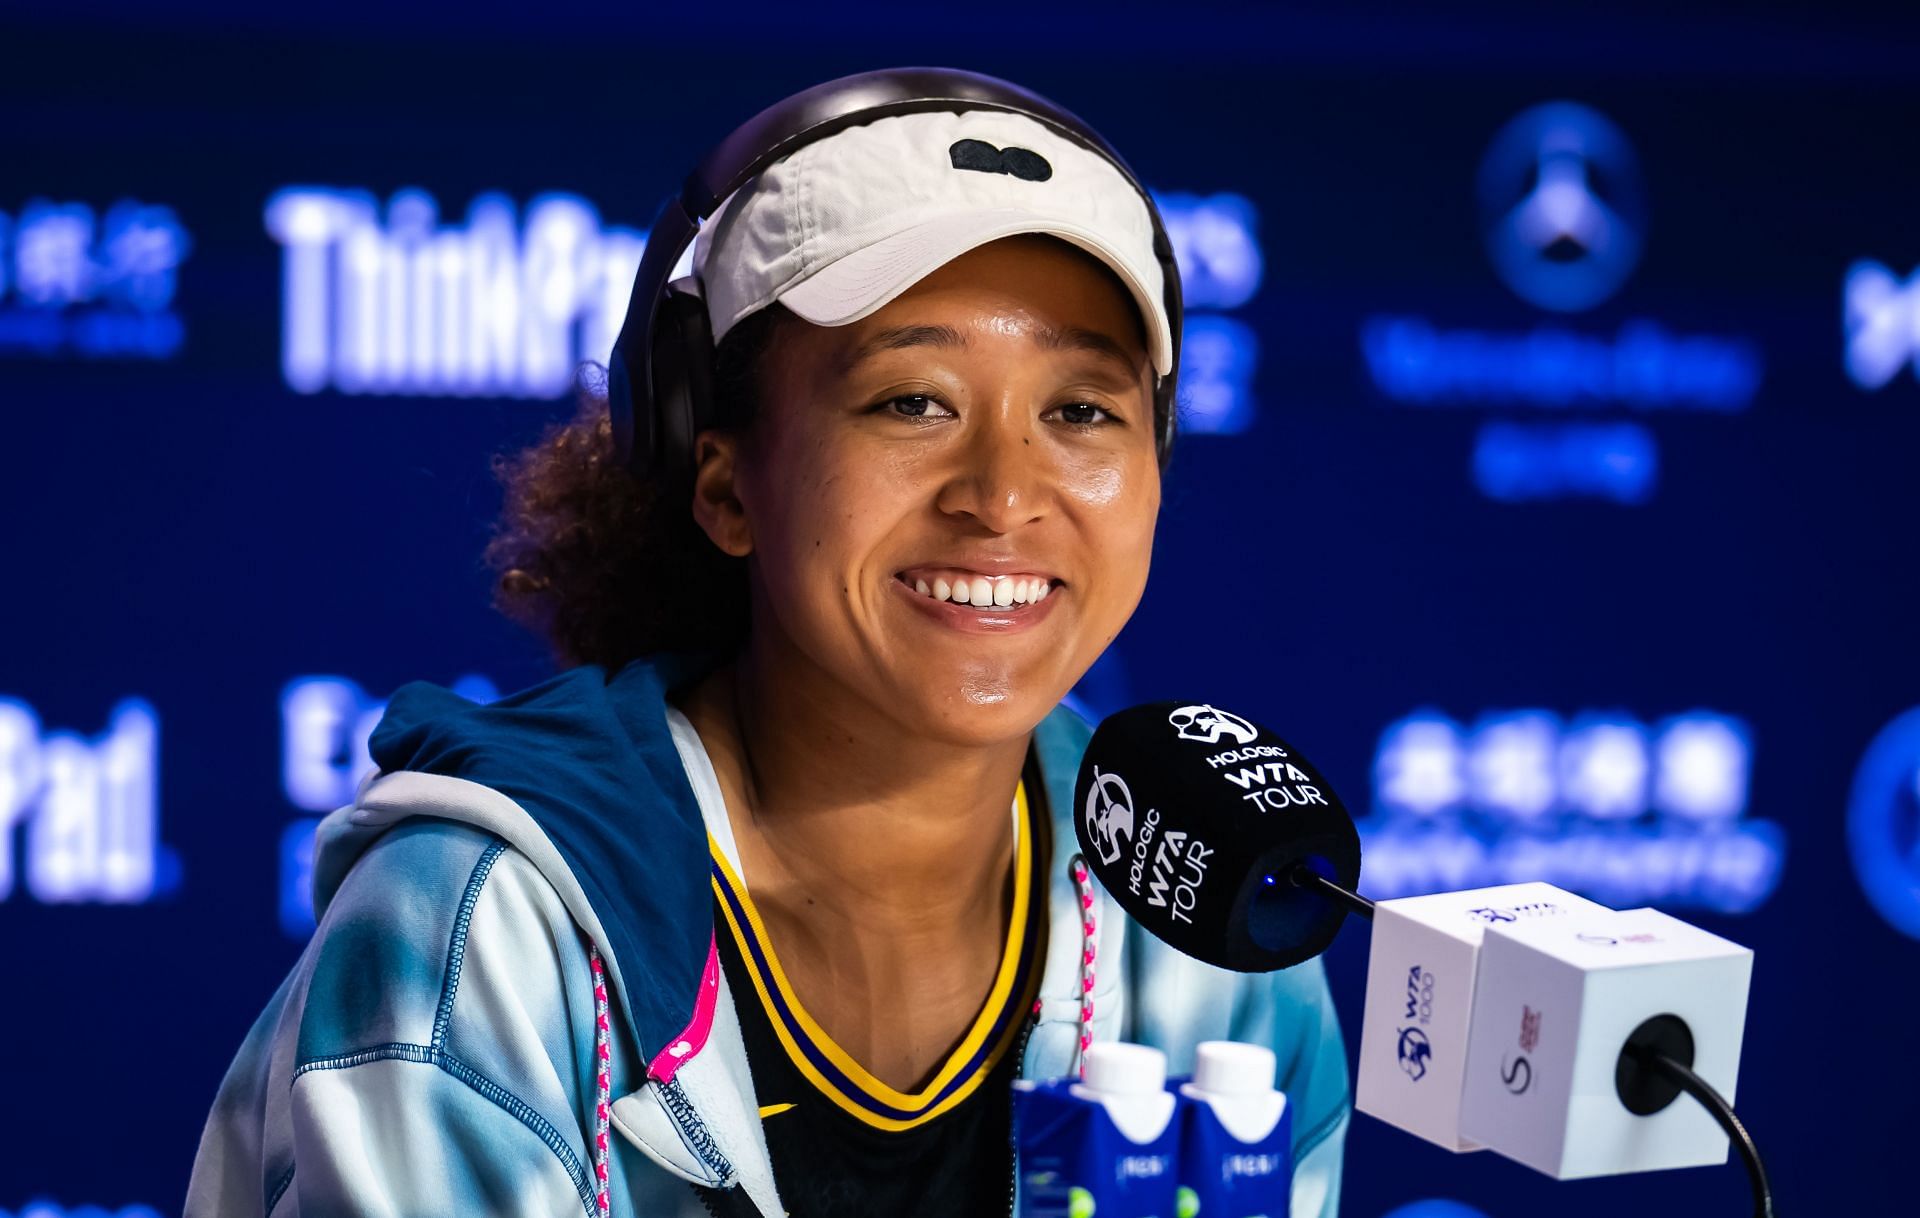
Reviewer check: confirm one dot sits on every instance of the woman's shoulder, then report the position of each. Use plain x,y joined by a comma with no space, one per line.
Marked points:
428,909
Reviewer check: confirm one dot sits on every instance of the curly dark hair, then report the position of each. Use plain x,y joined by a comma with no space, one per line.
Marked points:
608,567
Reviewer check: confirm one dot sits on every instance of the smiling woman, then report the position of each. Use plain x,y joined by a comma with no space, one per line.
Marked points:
609,568
797,815
951,438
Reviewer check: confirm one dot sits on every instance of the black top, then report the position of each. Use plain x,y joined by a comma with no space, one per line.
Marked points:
844,1144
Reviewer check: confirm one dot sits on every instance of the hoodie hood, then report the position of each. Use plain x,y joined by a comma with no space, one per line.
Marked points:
587,755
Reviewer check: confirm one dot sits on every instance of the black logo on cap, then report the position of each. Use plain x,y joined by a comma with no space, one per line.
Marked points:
1023,163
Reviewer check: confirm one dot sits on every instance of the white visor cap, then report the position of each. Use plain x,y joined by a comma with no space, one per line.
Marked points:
840,227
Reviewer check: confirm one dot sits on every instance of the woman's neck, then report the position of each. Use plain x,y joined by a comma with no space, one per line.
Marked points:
870,819
880,863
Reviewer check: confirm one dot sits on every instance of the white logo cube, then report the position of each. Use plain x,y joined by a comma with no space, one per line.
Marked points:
1554,1003
1420,987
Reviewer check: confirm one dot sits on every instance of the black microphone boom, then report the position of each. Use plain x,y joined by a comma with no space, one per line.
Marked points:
1196,820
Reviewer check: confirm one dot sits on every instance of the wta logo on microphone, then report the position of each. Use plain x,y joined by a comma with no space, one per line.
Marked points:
1109,814
1207,724
1272,781
1167,873
1265,781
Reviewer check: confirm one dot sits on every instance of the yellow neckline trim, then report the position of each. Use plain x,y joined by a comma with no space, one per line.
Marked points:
1003,983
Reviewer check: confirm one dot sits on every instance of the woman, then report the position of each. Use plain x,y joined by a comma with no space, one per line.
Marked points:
763,904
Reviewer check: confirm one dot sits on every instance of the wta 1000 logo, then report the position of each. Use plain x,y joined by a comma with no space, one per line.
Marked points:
1415,1050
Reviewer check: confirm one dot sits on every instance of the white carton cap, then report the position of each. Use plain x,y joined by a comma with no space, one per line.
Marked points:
1226,1067
1116,1068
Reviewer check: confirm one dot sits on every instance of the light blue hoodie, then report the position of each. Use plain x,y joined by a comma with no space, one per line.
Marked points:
433,1051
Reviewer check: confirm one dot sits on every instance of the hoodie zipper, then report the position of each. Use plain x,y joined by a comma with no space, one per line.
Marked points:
1013,1140
731,1202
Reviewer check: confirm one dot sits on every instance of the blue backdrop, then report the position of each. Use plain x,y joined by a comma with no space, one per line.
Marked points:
1549,479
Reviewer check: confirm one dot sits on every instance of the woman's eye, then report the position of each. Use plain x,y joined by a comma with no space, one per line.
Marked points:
1083,414
914,406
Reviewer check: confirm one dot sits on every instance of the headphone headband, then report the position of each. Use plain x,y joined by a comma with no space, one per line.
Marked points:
661,366
825,109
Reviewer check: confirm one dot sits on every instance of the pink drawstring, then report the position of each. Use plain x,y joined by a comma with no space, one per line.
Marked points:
602,1068
1084,882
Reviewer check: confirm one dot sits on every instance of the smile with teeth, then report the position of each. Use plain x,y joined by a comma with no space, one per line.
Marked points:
980,591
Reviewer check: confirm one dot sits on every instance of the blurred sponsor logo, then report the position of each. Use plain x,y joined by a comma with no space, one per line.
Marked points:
90,808
1881,320
1599,803
98,287
325,722
1563,214
1883,823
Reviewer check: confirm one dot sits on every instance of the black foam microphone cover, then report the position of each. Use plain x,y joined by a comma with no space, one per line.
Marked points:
1194,818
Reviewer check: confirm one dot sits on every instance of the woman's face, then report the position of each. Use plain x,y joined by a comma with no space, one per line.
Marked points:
950,504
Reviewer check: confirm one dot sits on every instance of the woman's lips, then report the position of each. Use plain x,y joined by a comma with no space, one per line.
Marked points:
962,586
1001,613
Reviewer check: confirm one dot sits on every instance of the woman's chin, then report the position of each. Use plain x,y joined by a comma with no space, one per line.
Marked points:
982,710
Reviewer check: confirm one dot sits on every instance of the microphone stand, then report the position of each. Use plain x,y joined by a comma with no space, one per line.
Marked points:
1304,876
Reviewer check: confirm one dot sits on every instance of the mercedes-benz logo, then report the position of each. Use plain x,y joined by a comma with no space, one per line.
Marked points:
1562,207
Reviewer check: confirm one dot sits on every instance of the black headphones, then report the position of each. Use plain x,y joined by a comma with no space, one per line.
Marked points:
660,377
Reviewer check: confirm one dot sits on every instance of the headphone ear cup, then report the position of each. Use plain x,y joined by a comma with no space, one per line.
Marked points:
632,421
682,377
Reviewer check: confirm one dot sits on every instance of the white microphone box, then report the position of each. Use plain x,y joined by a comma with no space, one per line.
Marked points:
1555,1002
1420,986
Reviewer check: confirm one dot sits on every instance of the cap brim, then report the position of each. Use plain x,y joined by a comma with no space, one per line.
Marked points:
866,280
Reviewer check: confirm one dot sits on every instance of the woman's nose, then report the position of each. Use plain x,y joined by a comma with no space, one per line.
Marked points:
1000,474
